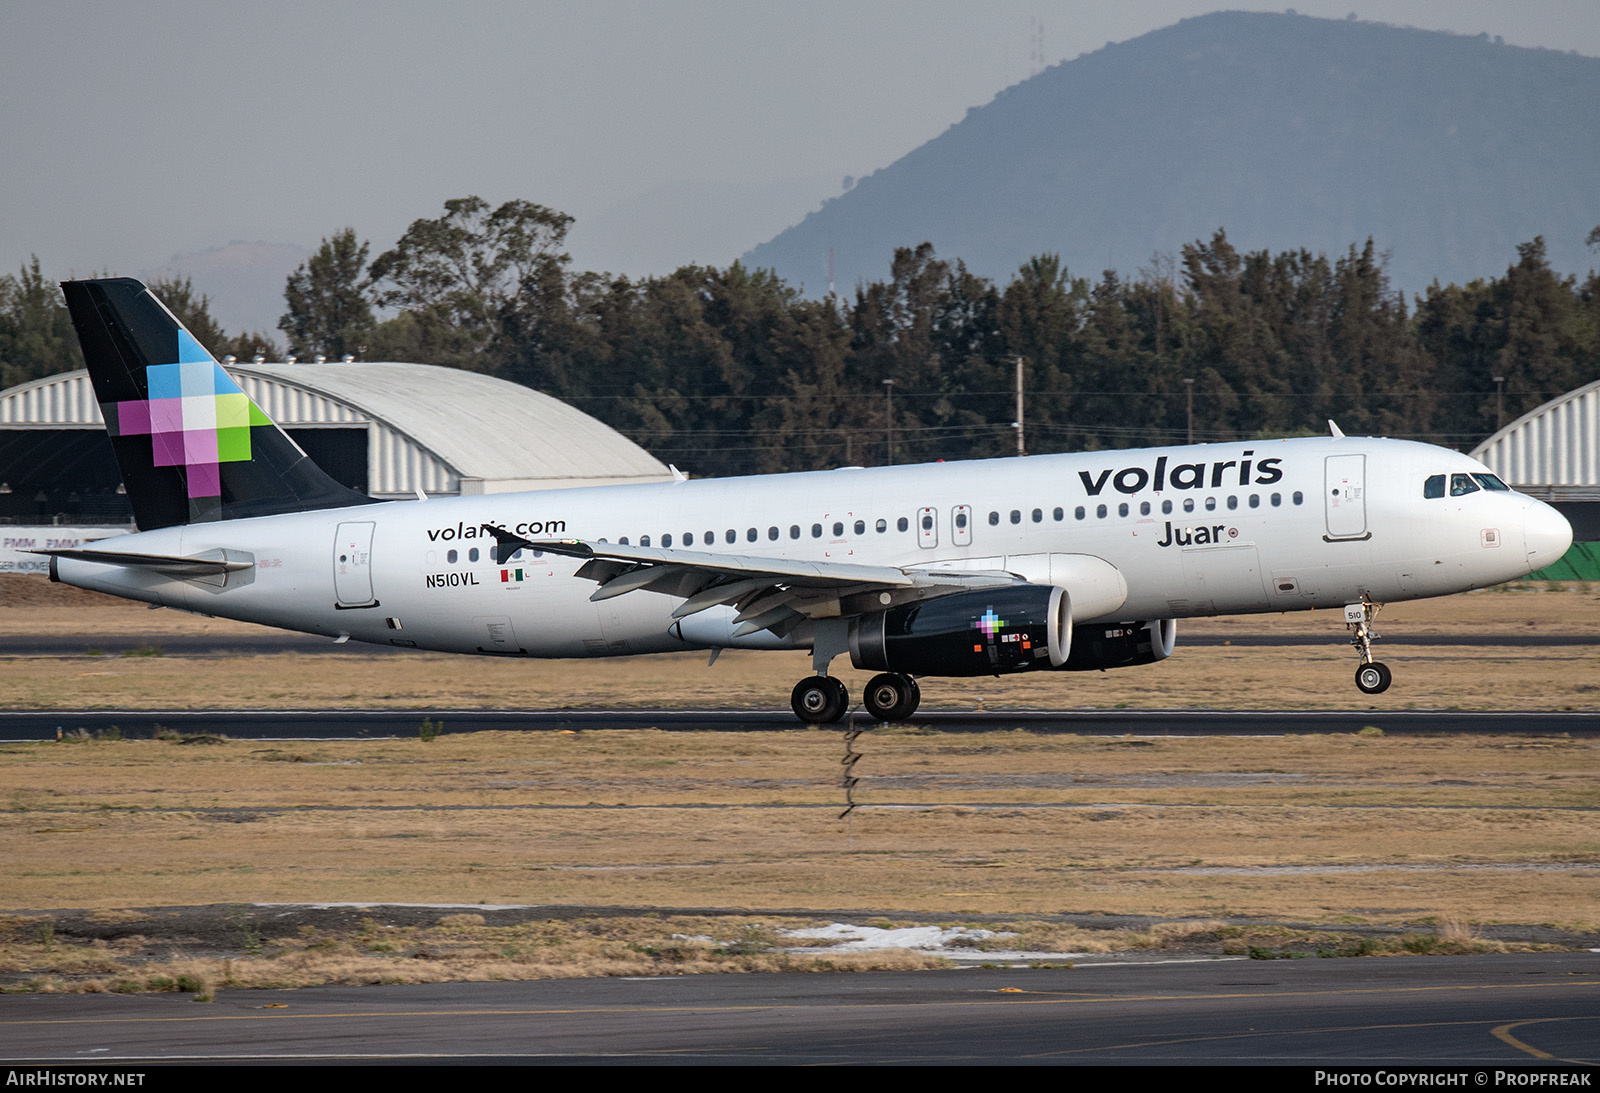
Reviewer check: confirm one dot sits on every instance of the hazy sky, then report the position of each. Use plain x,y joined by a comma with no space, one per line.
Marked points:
674,132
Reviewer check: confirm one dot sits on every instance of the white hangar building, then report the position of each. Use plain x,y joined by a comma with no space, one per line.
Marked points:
385,429
1553,451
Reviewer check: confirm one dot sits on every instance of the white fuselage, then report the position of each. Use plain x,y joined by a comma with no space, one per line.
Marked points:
1276,525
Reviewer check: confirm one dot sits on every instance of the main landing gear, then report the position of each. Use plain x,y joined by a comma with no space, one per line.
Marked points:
822,700
819,700
892,696
1372,677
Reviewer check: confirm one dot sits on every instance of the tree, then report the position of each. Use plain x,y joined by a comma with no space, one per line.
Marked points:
36,336
329,309
480,282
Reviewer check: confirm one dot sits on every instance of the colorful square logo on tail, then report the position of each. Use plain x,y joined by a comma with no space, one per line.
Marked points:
196,417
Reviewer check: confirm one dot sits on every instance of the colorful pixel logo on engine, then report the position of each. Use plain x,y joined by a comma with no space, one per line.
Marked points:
196,417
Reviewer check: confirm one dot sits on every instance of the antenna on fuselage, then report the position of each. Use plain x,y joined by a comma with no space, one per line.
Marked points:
1333,427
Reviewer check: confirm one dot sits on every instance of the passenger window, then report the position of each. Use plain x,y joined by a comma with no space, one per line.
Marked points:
1211,504
816,531
902,523
1144,508
1188,504
1100,511
961,521
883,526
927,524
731,537
1122,509
711,538
1433,487
666,540
1255,500
1490,481
838,528
861,527
994,519
644,540
1233,502
772,533
623,541
1078,513
1038,515
794,531
1277,499
451,557
1166,508
472,555
1059,514
1298,498
751,535
688,538
1016,516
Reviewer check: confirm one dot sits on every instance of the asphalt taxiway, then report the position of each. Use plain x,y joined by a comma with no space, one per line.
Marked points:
1480,1014
346,724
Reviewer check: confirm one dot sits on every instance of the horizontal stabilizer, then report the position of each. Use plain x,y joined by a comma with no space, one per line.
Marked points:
166,564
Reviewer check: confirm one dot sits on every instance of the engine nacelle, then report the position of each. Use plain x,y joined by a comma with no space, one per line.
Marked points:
1097,647
1016,629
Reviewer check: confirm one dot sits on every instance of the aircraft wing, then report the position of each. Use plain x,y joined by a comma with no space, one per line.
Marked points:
774,594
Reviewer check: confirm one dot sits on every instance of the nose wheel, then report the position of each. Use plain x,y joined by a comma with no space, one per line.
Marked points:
819,700
892,696
1372,677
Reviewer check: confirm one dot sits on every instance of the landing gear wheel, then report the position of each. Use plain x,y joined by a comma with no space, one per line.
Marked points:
892,696
819,700
1374,678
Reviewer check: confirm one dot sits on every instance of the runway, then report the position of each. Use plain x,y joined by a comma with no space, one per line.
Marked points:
1476,1014
346,724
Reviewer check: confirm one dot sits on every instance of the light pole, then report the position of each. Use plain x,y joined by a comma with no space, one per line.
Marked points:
1499,402
1022,447
1188,386
888,418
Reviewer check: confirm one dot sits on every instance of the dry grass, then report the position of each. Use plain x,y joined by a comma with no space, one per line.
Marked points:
1382,829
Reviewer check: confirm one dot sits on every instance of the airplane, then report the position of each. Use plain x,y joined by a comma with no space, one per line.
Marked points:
1055,562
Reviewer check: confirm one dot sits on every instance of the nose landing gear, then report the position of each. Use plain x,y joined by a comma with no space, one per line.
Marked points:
1372,677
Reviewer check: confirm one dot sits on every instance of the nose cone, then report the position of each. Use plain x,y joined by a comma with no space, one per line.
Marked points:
1546,534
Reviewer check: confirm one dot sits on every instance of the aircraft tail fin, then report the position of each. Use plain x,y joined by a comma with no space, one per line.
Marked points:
191,445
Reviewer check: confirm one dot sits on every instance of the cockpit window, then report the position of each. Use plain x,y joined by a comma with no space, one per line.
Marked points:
1461,484
1490,482
1433,487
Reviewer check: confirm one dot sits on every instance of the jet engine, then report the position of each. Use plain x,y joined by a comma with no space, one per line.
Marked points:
1121,646
1014,629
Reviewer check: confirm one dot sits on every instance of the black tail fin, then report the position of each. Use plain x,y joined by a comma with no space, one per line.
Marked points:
191,445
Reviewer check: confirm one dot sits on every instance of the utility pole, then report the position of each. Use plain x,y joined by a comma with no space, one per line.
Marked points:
1499,403
888,394
1022,447
1188,386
